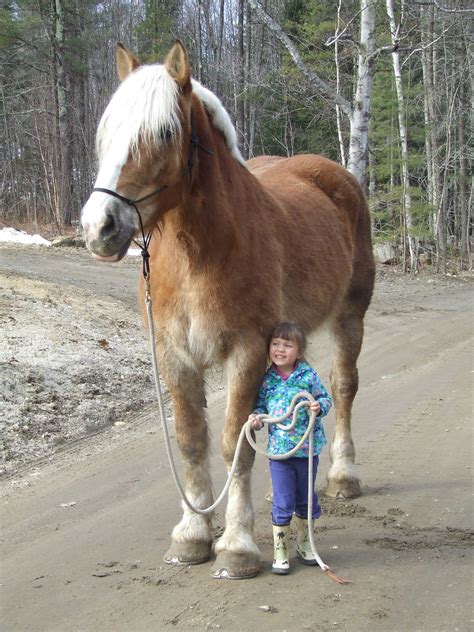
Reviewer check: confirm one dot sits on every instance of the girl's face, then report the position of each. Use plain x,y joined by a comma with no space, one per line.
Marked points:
283,353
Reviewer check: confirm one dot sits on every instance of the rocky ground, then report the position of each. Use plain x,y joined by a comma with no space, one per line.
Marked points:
73,362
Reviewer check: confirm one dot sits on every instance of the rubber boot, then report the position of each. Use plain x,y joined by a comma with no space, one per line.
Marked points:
281,565
303,544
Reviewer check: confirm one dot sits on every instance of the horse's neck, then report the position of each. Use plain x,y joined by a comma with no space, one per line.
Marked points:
206,224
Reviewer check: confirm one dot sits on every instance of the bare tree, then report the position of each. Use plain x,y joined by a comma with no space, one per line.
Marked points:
359,112
407,206
64,123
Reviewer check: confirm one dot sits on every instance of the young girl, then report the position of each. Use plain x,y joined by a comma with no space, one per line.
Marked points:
288,374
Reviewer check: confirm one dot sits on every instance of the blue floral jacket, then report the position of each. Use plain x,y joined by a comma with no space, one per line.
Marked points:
274,398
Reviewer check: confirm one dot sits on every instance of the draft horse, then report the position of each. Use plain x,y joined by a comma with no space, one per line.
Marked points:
237,248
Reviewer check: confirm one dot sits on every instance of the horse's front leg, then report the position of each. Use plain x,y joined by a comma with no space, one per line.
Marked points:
238,556
191,537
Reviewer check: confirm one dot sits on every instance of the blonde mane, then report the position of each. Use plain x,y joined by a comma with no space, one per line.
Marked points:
145,108
219,118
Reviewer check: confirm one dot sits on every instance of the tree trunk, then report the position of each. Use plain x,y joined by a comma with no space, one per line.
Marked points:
463,188
361,110
240,88
431,141
248,56
64,121
412,246
342,151
199,40
464,203
219,90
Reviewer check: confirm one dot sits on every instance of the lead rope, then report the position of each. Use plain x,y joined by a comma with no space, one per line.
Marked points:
245,432
293,410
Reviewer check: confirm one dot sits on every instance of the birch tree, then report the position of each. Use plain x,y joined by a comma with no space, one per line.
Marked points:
342,150
428,62
410,238
359,120
240,82
358,112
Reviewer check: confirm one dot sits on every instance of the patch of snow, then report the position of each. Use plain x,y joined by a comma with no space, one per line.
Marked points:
20,237
12,235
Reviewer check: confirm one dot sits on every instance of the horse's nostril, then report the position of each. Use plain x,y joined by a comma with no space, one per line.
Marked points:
109,228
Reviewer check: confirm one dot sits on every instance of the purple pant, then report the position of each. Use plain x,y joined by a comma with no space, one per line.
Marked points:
290,489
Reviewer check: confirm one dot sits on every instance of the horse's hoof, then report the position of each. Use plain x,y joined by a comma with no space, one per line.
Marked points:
230,565
188,553
344,489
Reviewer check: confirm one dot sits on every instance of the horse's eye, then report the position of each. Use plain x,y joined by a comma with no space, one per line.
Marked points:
167,134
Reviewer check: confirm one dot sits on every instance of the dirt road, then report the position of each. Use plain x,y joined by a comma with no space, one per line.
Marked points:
86,519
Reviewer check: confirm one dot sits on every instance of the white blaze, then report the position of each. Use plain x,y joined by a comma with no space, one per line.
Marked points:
94,212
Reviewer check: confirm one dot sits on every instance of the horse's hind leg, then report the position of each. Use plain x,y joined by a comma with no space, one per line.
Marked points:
191,537
348,328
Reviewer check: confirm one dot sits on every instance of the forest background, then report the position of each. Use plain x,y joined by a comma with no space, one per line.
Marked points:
280,78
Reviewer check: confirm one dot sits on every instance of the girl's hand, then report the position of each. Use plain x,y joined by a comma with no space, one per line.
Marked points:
314,407
255,421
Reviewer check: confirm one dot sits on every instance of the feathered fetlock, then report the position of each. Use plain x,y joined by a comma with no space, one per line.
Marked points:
281,564
303,544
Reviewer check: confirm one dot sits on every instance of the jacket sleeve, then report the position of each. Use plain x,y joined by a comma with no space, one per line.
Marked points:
261,405
321,395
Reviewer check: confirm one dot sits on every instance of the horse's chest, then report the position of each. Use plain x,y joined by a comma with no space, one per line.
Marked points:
199,333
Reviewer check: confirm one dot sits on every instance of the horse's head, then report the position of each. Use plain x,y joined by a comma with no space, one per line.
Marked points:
143,143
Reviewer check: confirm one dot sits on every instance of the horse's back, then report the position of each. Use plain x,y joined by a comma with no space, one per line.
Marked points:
313,185
285,177
261,164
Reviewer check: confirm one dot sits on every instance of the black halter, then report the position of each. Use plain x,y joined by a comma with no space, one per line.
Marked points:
146,238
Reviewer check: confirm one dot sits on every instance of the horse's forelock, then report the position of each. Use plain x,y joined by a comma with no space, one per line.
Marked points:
143,109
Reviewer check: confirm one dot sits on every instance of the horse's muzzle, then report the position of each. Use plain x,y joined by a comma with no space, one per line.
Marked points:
108,234
117,256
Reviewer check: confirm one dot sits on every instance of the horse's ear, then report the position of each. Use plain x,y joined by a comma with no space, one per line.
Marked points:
177,64
126,61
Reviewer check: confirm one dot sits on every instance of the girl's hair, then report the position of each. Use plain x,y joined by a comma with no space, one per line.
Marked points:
290,331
